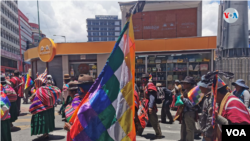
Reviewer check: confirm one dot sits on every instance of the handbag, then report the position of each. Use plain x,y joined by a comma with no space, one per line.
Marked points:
175,77
206,60
197,67
157,61
191,60
190,68
164,61
169,60
170,78
154,69
179,60
198,60
149,69
204,67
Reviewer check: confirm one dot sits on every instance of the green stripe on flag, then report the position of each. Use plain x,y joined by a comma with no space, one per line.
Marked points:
105,137
107,116
116,59
112,88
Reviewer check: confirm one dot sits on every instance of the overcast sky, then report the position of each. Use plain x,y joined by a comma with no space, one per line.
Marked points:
69,17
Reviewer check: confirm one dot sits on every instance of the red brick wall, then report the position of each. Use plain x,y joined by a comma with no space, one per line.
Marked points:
165,24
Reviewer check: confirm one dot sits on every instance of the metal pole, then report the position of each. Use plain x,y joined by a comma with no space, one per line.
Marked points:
38,20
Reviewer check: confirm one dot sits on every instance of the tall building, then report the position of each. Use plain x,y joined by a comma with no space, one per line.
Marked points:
103,28
35,34
25,34
10,47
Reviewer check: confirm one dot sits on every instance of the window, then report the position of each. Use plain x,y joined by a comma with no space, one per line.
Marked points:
89,28
95,23
111,23
103,29
111,33
111,38
96,39
95,28
103,23
111,28
103,39
95,33
104,33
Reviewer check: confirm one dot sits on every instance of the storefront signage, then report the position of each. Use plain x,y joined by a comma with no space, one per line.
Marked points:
106,17
46,50
230,15
10,55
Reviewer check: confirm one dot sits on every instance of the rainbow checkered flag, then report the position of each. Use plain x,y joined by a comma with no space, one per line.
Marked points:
106,113
27,81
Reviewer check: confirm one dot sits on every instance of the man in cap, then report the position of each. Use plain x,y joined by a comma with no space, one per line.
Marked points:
206,119
189,111
166,104
231,109
242,91
16,85
150,93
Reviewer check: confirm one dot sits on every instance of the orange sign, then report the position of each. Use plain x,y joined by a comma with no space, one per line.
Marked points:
46,50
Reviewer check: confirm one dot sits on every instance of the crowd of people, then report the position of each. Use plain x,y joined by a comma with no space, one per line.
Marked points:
196,120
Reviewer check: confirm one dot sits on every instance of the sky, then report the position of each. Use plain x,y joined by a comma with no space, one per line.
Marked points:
68,18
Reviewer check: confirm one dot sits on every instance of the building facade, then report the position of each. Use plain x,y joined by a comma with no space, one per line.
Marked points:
103,28
10,47
25,35
165,19
35,34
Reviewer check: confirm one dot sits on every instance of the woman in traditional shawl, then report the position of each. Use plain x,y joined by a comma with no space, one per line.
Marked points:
77,90
12,96
42,108
5,116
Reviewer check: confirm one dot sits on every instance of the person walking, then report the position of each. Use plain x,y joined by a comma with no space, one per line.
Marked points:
189,111
150,93
165,111
206,119
77,91
16,85
242,92
231,111
42,108
65,94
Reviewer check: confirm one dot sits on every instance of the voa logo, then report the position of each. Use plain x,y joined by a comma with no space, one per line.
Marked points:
230,15
236,132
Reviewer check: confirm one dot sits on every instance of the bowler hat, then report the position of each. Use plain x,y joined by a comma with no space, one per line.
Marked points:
241,83
66,77
72,86
85,78
188,79
177,81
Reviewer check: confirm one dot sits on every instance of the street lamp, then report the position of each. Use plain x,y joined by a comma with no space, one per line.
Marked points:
61,36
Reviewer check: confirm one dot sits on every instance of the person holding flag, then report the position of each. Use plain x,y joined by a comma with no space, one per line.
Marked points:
77,91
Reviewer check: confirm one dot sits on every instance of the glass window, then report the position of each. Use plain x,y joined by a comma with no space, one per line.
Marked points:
111,33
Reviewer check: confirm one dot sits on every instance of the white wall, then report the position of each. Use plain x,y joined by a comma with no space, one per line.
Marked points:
101,61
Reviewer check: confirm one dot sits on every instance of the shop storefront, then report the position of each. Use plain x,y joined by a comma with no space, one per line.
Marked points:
165,68
166,59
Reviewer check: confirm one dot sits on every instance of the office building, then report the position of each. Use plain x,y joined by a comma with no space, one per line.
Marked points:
10,47
25,34
35,34
103,28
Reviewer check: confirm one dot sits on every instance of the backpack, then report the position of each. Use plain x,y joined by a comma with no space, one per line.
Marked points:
160,95
143,113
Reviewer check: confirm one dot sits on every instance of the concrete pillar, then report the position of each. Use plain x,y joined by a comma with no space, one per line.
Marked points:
199,20
101,61
65,64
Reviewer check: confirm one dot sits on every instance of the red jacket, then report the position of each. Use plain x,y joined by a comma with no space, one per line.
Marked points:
17,85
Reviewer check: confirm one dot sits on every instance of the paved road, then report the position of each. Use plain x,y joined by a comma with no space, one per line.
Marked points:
21,132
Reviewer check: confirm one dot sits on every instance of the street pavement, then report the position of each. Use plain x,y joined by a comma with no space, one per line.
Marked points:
21,131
